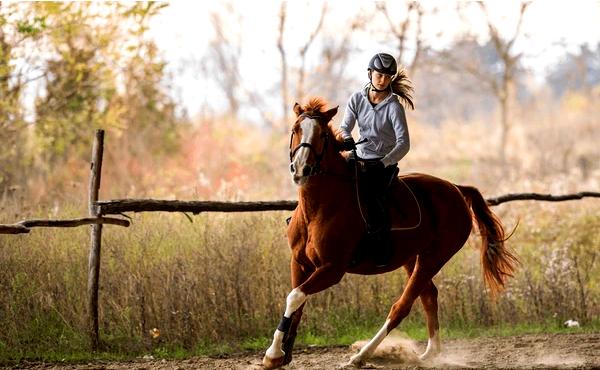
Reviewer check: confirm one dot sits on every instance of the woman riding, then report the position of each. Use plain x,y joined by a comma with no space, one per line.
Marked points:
384,141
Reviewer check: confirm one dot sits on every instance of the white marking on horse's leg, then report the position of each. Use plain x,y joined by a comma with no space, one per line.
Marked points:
433,347
293,301
275,351
369,348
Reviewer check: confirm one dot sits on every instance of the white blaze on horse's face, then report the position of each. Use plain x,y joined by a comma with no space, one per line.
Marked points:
300,168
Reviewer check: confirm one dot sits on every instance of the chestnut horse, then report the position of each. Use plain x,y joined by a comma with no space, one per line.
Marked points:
327,226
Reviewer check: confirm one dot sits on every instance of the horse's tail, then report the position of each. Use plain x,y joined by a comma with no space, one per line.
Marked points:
497,261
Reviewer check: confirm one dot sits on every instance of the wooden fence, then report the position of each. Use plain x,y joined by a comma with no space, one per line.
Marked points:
98,209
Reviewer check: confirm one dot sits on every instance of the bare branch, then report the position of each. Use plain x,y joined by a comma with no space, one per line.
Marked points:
304,49
284,67
457,65
418,41
399,33
524,6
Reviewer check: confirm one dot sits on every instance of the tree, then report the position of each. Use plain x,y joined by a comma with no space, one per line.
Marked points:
93,66
400,31
79,80
222,62
301,69
576,71
17,30
145,108
284,65
501,78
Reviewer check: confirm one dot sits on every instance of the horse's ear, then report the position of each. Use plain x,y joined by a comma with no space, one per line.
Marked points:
298,109
330,113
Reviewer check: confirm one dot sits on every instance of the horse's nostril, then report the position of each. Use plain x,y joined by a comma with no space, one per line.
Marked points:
306,170
292,168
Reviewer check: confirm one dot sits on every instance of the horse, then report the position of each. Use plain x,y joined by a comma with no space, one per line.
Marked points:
327,226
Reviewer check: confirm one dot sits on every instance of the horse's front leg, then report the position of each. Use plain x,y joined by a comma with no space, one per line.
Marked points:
280,351
274,357
290,336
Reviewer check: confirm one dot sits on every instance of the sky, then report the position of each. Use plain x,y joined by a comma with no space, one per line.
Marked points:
183,31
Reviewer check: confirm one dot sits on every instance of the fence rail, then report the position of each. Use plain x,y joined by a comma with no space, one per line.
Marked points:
23,227
545,197
113,207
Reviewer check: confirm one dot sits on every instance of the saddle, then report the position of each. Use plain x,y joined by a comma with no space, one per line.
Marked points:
404,208
401,212
400,205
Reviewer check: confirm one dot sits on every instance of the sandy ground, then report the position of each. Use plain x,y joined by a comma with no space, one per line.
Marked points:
553,351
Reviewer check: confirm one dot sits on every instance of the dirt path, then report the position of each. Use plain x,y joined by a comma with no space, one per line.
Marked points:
554,351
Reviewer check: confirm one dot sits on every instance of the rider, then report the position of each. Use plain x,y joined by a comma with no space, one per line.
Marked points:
384,141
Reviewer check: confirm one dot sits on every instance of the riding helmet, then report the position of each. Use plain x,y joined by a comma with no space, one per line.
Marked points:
383,63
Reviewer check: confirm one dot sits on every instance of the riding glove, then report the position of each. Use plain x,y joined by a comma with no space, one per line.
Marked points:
348,144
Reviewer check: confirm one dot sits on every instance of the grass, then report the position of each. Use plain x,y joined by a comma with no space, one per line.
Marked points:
76,351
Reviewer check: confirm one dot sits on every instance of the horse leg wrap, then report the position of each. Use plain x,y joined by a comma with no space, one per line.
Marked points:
284,324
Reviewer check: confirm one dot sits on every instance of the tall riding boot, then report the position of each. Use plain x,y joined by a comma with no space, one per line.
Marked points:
379,233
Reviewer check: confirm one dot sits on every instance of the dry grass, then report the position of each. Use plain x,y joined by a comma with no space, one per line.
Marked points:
224,278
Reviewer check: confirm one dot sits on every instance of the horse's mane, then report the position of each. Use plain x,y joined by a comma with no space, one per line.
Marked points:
315,106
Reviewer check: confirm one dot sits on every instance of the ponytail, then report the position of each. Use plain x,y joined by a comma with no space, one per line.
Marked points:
403,87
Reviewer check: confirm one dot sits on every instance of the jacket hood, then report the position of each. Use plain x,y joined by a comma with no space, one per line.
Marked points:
390,98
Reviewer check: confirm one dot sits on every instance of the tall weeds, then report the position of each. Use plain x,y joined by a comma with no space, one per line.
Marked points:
223,280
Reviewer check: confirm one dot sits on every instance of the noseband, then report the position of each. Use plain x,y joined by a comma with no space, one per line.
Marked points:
318,156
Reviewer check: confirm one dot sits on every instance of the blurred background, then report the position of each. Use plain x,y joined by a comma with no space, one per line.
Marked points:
196,102
196,98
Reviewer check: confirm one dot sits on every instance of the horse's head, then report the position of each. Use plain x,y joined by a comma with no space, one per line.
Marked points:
309,139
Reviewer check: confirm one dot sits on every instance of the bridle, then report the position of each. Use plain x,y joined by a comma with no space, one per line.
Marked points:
316,169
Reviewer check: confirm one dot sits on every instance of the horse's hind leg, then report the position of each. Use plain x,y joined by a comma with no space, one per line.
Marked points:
430,305
419,280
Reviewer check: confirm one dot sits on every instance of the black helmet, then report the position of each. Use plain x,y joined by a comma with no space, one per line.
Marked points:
383,63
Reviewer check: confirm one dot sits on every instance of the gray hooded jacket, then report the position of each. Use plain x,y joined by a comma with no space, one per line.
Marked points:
383,126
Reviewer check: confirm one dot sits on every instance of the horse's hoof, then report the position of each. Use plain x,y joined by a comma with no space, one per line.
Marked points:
356,362
287,358
429,355
273,363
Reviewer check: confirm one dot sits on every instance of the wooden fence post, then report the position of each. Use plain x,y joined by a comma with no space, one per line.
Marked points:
95,242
